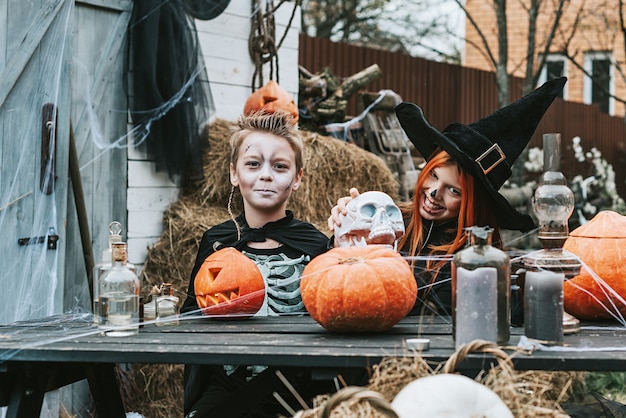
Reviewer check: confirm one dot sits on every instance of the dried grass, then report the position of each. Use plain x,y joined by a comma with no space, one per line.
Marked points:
154,390
331,168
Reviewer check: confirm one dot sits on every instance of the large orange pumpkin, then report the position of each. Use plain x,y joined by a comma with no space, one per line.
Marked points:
229,284
271,97
601,245
353,289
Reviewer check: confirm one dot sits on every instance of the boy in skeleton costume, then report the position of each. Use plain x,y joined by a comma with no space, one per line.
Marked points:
458,187
266,165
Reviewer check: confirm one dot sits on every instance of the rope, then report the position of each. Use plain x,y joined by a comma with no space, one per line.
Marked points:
262,45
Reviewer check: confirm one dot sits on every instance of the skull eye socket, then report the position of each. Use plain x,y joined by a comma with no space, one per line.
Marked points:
368,211
393,212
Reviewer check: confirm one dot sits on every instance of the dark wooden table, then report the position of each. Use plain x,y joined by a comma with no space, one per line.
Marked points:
38,356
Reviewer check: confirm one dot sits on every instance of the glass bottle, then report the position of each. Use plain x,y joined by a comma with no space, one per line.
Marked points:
166,306
553,204
481,282
115,235
119,296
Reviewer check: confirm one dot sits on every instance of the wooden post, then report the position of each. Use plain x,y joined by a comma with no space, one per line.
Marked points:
83,222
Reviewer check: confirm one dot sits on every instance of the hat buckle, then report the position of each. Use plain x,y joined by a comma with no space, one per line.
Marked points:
495,147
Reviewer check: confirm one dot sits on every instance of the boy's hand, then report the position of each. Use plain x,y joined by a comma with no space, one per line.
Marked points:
341,209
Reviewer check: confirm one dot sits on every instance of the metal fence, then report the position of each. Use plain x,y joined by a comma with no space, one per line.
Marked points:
452,93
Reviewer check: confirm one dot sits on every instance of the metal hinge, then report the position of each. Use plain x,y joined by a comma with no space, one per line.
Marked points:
52,239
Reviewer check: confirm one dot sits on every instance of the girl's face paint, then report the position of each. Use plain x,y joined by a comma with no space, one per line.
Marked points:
440,198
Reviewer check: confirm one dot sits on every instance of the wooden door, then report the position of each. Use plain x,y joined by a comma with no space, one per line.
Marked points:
61,69
34,122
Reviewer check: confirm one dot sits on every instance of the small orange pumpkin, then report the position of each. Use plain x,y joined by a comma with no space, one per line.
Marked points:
229,283
353,289
600,244
271,97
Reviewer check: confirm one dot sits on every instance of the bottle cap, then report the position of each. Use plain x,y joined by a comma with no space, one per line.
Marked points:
120,251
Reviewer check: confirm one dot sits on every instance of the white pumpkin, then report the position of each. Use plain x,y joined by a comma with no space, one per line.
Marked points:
449,396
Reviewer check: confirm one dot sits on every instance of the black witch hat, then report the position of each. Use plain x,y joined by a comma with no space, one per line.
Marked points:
488,147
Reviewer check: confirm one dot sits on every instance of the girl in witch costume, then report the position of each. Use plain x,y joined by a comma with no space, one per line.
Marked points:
458,187
266,165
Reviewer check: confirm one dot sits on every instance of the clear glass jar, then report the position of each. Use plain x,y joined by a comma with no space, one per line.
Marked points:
115,230
481,282
118,296
166,306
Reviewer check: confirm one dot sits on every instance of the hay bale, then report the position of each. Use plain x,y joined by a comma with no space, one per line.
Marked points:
331,167
172,257
153,389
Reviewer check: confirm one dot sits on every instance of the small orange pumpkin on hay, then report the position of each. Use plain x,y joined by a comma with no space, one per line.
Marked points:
271,97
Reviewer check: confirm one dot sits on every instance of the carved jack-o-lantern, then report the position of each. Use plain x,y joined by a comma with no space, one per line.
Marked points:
271,97
230,284
601,245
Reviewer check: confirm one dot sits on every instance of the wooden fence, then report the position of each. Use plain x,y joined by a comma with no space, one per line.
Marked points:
452,93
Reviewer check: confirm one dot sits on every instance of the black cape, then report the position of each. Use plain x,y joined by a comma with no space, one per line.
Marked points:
298,235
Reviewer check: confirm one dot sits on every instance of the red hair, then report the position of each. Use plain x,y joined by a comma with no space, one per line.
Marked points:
414,232
474,210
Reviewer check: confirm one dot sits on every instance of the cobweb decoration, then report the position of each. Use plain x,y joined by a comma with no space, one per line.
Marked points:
164,61
36,290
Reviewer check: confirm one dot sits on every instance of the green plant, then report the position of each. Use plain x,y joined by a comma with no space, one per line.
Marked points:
611,385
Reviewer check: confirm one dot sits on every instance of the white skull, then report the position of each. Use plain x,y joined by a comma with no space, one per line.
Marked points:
372,218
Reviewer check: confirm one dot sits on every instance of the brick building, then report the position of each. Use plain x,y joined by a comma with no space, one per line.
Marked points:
596,45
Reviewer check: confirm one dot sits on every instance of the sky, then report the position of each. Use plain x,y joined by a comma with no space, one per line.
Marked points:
456,21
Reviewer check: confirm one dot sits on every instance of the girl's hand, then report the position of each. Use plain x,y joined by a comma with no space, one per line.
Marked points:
341,209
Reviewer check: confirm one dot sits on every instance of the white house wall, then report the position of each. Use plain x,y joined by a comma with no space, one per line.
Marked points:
224,42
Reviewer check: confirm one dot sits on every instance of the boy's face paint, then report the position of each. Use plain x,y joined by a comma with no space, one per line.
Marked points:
440,198
265,173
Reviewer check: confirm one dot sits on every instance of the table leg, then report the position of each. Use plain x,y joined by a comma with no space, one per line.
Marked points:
105,390
27,392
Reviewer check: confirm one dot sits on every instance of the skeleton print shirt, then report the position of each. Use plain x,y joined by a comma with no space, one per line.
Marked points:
281,268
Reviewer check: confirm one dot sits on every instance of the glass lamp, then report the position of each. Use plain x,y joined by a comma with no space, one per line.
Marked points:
553,204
